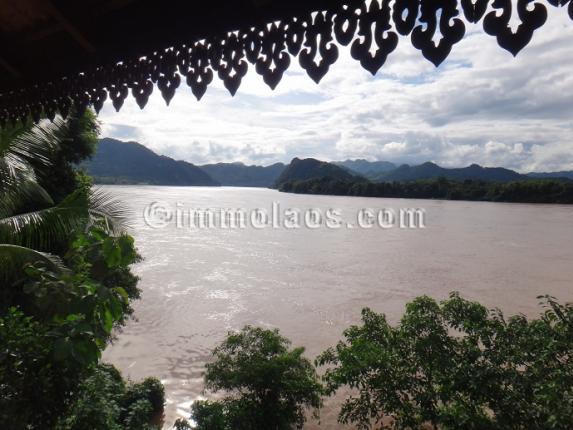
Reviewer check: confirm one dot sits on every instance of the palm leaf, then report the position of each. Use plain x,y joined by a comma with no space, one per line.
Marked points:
28,194
44,229
23,154
13,258
104,207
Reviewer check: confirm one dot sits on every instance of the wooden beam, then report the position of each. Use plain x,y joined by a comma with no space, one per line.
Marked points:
68,26
9,68
110,6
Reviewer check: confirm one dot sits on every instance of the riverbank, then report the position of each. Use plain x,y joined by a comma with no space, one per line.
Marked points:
531,191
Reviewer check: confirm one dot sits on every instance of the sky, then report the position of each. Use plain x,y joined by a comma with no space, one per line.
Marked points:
481,105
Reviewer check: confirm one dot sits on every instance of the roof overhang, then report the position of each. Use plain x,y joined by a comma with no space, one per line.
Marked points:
56,53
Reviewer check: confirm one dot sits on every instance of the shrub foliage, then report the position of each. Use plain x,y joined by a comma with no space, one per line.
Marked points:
266,384
456,365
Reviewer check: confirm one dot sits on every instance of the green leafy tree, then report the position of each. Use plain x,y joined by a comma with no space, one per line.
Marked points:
104,401
266,384
30,216
65,284
456,365
57,324
29,372
76,138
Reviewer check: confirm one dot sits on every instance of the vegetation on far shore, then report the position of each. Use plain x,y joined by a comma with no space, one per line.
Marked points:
529,191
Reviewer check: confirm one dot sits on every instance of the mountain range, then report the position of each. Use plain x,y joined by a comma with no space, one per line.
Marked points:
310,168
542,175
431,170
240,175
366,168
117,162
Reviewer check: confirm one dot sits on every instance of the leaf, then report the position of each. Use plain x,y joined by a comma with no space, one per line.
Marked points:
15,260
116,308
80,242
86,351
128,252
121,291
108,211
108,321
62,349
74,317
41,229
111,252
25,152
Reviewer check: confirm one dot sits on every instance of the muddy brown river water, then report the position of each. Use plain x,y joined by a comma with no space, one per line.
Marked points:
200,283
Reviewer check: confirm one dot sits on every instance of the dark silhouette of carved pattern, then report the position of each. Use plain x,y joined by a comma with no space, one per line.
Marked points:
295,35
405,14
117,87
98,96
374,20
370,29
319,51
474,11
228,60
499,25
345,21
194,65
451,28
274,60
168,80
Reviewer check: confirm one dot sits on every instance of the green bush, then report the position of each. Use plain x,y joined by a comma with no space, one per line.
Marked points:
105,402
54,325
150,390
181,424
456,365
65,283
267,385
34,389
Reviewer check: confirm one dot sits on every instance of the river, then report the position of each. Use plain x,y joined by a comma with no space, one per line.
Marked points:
311,283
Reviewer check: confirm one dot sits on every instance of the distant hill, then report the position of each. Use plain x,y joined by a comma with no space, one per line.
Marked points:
117,162
240,175
310,168
368,169
431,171
568,174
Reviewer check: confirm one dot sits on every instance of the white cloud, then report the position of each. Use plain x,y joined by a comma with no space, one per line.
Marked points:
482,105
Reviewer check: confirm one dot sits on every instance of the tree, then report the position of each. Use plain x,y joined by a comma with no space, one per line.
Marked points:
65,284
54,325
29,215
267,385
456,365
104,401
525,191
76,141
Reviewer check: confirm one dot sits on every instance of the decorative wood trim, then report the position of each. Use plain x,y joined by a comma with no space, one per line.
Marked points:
313,39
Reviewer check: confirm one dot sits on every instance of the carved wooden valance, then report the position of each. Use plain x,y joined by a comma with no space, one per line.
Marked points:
369,28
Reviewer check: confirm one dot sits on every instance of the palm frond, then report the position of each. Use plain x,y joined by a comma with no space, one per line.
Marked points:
43,229
28,194
24,154
13,258
104,207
